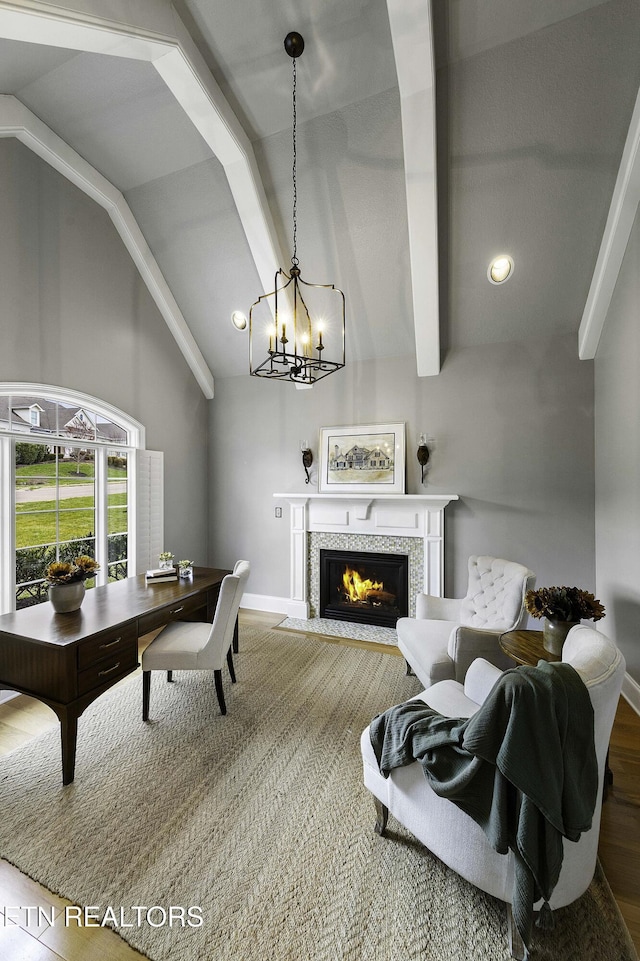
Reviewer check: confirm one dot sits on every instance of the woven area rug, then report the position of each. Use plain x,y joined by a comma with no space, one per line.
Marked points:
261,820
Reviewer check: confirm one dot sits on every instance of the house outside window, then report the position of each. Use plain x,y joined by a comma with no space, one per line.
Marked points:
67,487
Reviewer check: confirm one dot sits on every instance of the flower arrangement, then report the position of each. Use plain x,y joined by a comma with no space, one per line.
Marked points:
185,563
166,556
563,604
70,572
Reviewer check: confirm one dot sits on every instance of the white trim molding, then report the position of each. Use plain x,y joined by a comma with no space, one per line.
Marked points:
269,603
135,430
631,692
622,213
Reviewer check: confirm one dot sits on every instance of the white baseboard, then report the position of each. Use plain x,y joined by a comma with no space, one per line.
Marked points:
275,605
631,692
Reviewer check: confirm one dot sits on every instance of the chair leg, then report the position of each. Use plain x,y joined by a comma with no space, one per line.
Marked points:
218,679
169,676
516,945
382,816
230,665
146,694
408,670
235,637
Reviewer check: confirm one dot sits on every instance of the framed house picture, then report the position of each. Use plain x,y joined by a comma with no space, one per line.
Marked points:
362,460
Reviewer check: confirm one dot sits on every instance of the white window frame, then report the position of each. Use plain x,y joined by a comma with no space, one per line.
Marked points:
139,496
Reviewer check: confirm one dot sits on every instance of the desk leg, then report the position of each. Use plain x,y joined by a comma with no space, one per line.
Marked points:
608,778
69,736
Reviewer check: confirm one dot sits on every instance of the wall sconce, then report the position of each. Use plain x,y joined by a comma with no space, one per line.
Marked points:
307,458
422,454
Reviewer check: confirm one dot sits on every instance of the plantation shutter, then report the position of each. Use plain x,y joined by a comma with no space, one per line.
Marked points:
150,509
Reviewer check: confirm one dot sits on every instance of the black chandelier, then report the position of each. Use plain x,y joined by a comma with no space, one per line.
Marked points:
292,327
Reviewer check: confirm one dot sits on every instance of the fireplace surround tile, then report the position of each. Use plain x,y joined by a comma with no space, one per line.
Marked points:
374,543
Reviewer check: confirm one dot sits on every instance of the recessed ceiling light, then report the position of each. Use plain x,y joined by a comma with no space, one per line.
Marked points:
500,269
239,320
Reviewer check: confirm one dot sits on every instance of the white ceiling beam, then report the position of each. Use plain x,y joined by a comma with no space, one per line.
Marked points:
187,76
84,29
622,213
163,41
17,121
412,37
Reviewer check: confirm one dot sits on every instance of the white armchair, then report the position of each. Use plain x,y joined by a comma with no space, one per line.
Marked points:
450,833
447,634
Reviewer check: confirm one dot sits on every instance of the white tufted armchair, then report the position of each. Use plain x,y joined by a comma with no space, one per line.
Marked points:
447,634
451,834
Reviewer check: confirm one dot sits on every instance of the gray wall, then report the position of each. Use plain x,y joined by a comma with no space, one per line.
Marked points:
513,431
617,392
75,313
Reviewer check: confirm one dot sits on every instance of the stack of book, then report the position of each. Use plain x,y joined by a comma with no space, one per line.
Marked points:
158,575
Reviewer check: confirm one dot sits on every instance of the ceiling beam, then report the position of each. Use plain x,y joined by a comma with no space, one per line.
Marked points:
622,213
412,37
163,41
17,121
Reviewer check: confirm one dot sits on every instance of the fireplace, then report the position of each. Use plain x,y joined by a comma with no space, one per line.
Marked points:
411,524
364,587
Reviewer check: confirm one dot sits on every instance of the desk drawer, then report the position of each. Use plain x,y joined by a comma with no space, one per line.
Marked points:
108,668
108,644
178,611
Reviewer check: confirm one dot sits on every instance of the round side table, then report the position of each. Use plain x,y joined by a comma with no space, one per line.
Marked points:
525,647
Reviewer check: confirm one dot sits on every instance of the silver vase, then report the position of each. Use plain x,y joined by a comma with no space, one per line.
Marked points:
66,598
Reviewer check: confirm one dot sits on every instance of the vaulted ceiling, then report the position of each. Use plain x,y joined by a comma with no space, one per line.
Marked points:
533,104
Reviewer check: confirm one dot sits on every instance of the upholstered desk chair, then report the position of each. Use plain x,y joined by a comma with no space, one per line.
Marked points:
447,633
197,646
238,567
452,835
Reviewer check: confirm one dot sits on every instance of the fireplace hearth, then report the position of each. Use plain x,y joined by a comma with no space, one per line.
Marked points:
364,587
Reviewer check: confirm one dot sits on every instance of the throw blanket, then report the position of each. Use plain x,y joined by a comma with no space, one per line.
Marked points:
523,767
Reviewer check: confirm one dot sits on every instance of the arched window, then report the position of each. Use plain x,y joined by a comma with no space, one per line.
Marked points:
70,468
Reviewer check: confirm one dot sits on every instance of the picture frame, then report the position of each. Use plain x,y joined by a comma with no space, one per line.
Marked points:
367,459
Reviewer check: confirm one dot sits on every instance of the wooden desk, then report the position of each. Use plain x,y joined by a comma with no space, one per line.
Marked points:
69,660
525,647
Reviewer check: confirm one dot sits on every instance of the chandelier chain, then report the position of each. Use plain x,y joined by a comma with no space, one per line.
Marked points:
294,259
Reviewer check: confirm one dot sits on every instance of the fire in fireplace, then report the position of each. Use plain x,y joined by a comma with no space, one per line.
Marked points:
364,587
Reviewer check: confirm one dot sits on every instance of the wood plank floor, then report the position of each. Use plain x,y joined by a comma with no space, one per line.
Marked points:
619,847
24,718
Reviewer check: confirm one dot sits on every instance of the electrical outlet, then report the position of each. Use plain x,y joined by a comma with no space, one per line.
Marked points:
278,512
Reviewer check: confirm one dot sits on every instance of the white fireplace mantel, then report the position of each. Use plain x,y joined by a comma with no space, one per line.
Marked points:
399,515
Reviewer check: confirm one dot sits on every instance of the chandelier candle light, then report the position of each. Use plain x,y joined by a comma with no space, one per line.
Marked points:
291,324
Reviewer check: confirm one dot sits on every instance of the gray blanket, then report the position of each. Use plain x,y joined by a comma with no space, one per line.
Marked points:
523,767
